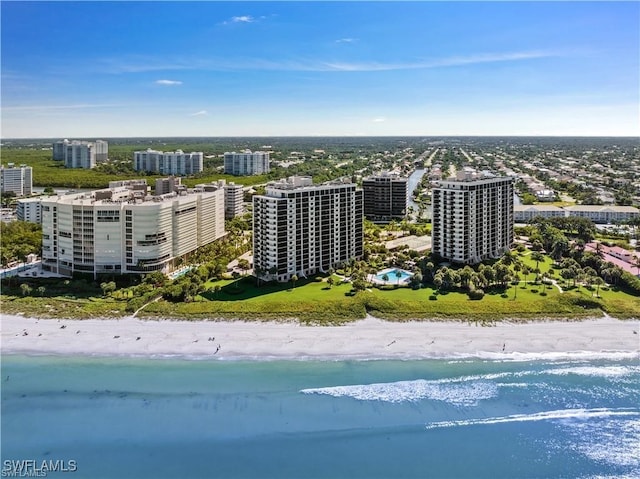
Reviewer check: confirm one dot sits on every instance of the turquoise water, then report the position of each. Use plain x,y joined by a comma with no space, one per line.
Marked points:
120,418
404,275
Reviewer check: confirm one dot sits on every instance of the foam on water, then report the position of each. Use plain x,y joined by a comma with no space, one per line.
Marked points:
453,392
615,442
556,356
540,416
602,371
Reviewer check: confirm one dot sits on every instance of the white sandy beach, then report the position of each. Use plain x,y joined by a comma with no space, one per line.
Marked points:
366,339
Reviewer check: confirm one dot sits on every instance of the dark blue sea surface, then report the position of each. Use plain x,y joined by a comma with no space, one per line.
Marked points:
135,418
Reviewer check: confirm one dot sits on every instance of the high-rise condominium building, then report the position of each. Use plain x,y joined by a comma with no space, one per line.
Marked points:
233,200
168,163
385,197
168,185
233,196
18,179
246,163
124,230
81,154
29,209
472,217
301,229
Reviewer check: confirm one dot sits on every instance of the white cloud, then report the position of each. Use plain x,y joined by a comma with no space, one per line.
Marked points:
200,113
346,40
143,64
379,120
168,82
241,19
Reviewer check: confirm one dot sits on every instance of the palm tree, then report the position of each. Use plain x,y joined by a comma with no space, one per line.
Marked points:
385,278
398,275
598,281
294,278
330,281
537,257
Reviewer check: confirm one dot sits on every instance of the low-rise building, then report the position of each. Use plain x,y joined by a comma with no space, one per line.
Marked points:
525,213
602,214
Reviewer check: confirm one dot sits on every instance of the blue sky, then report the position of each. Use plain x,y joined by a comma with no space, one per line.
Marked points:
108,69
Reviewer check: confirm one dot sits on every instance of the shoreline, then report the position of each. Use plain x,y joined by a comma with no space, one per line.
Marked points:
367,339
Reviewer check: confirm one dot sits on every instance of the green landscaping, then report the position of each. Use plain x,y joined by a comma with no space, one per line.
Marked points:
316,302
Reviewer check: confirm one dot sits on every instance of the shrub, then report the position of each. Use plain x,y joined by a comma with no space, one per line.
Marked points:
433,297
475,294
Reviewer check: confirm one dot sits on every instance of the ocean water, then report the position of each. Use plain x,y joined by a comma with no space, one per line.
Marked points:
179,418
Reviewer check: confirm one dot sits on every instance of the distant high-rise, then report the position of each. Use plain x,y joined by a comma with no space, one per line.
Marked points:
233,200
301,229
472,217
18,179
29,209
246,163
385,197
81,154
169,163
233,196
168,185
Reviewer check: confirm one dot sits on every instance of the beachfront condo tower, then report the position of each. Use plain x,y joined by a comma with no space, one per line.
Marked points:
122,229
472,217
301,229
246,163
385,197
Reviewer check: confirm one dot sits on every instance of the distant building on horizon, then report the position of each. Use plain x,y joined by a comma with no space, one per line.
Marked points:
301,229
385,197
472,217
17,179
246,163
81,154
168,163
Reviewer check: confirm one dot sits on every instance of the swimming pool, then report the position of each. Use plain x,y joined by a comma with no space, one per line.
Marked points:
392,275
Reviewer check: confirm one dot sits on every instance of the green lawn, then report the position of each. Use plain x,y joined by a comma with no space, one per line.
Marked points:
313,301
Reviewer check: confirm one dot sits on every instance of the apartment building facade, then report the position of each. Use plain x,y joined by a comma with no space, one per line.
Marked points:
169,163
17,179
121,230
29,209
385,197
81,154
525,213
302,229
602,214
246,163
472,217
